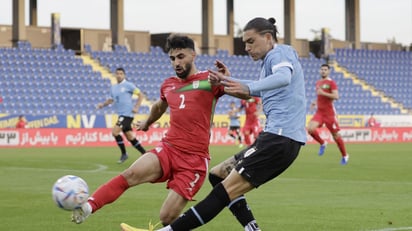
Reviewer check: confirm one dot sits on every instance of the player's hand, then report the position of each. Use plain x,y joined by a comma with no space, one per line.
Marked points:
312,106
319,91
222,68
141,126
135,110
236,88
215,78
99,106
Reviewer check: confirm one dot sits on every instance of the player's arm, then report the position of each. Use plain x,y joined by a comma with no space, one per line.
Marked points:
139,101
334,95
312,105
231,113
157,110
259,107
218,78
280,78
242,105
105,103
238,95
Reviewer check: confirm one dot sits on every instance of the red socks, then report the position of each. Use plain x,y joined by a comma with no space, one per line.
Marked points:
341,146
248,141
108,192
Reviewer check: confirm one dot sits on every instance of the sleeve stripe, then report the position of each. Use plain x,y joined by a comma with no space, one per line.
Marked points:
282,64
136,91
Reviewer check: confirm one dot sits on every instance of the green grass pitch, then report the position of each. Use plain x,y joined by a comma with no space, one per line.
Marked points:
373,192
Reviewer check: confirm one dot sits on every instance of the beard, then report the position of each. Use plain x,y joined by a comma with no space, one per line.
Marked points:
184,71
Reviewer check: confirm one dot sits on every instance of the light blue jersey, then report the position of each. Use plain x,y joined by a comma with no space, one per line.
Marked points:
234,120
282,88
122,94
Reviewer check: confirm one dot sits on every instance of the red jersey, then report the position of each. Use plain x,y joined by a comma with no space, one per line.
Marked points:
325,104
251,107
192,104
21,124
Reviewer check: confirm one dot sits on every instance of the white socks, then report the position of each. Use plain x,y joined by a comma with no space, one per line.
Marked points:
252,226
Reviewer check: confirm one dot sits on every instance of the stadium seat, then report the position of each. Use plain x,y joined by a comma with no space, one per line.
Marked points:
59,74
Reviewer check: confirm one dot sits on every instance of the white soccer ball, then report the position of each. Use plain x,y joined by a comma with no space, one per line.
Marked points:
70,192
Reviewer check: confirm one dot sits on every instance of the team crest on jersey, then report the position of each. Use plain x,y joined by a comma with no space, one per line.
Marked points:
122,89
325,86
195,84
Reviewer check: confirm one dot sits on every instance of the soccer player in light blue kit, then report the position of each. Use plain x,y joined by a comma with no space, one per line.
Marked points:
121,96
281,86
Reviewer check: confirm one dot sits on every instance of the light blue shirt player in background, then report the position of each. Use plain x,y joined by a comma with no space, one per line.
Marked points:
121,95
281,85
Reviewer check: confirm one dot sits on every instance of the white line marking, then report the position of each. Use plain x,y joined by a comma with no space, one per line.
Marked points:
393,229
346,181
99,168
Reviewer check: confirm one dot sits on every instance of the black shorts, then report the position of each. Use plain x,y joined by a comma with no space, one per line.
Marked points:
267,158
125,123
234,128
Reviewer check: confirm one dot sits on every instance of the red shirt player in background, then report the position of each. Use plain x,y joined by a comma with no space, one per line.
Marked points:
327,92
251,127
21,122
372,122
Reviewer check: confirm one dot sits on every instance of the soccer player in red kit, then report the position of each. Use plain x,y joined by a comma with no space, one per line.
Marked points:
327,92
251,127
21,122
181,158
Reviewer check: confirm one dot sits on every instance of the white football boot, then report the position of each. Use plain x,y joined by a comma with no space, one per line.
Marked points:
80,214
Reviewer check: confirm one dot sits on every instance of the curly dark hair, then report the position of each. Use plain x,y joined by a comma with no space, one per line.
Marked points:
175,41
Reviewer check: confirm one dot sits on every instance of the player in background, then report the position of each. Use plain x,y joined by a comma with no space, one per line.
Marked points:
372,122
282,88
251,127
177,159
327,93
121,96
21,122
234,123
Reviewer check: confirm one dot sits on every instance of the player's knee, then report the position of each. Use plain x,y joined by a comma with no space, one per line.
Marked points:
167,218
132,177
311,129
218,171
335,136
117,137
129,136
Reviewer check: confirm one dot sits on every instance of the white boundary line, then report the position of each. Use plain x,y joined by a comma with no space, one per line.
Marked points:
99,168
392,229
343,180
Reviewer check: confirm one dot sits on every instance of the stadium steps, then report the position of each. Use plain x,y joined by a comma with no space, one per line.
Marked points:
96,66
365,86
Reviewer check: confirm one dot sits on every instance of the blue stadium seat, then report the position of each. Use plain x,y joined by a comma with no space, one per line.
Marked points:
56,75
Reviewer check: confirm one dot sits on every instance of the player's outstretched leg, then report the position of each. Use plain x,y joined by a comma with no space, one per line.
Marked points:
105,194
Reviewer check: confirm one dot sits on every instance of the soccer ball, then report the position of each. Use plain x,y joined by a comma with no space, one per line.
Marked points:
70,192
